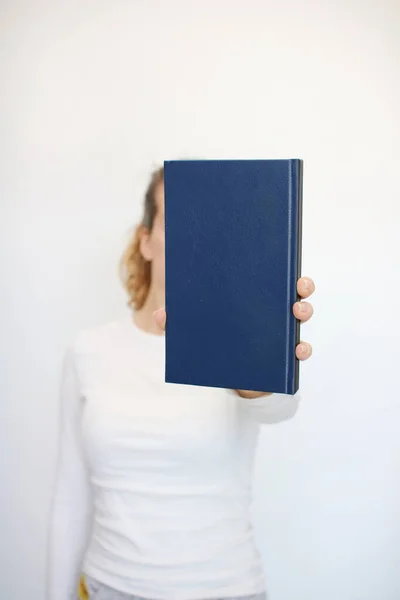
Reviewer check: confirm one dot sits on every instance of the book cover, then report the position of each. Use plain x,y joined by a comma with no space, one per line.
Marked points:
233,257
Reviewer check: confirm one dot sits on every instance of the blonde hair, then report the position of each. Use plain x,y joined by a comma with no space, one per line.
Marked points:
134,270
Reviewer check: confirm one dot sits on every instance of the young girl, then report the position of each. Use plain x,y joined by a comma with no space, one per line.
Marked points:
154,480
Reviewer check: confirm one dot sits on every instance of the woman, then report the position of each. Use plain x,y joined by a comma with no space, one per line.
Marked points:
154,480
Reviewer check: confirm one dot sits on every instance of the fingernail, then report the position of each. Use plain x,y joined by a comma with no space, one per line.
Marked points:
302,307
307,283
303,349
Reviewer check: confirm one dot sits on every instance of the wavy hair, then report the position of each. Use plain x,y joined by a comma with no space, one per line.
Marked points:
134,270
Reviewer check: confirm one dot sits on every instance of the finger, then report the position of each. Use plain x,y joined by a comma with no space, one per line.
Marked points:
160,317
305,287
303,351
303,311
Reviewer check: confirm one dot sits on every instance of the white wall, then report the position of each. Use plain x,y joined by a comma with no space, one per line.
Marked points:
93,94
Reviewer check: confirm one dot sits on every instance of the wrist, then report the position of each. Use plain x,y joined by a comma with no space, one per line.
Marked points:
250,395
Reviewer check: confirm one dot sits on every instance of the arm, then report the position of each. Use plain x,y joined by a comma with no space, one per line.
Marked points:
71,504
268,408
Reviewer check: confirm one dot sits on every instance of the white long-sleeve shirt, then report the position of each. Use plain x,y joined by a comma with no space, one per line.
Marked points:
153,483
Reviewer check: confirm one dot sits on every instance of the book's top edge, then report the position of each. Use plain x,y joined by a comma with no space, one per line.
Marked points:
183,160
232,160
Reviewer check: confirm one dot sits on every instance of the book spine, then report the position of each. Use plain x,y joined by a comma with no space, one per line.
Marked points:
295,209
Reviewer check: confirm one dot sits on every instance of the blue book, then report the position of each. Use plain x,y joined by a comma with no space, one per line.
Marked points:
233,257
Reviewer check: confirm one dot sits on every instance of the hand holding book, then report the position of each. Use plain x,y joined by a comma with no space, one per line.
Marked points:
303,311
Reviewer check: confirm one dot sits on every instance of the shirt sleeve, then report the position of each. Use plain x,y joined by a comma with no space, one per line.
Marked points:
270,409
71,502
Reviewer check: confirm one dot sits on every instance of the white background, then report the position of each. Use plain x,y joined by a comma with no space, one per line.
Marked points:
94,94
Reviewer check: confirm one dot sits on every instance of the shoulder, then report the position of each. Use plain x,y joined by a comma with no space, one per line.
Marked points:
93,339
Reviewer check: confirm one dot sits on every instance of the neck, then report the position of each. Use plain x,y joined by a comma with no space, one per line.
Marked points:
143,317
